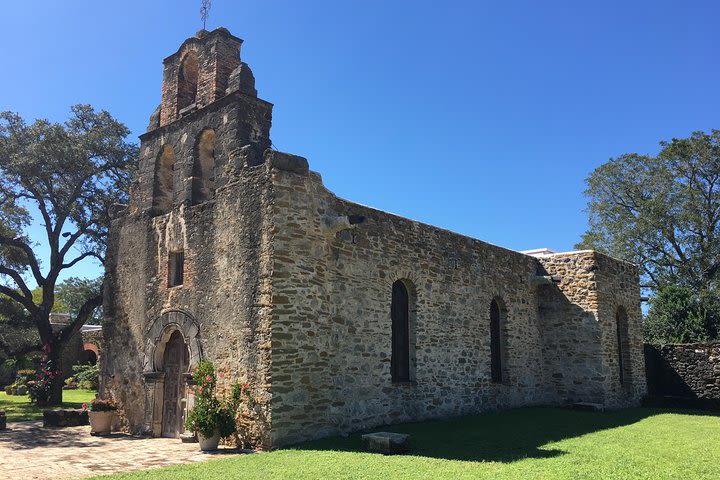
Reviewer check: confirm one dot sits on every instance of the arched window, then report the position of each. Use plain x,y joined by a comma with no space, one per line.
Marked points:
496,342
187,80
163,183
204,167
403,341
623,344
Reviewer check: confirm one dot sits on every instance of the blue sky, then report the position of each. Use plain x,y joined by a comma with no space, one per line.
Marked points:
480,117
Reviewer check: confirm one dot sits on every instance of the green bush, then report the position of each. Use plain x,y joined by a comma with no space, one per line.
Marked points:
8,390
210,414
86,376
680,315
24,376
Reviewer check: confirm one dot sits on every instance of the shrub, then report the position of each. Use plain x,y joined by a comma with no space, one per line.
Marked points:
679,314
8,390
86,376
23,376
210,414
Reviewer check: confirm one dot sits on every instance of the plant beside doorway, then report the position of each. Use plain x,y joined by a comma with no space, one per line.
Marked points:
100,415
212,418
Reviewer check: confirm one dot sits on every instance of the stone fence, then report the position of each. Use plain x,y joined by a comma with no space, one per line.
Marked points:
690,371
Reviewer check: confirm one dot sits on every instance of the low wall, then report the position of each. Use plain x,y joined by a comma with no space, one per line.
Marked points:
684,370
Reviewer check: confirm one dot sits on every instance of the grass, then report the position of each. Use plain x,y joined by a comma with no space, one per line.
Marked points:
537,443
18,407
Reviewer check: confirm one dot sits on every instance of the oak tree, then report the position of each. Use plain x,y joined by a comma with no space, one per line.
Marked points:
65,177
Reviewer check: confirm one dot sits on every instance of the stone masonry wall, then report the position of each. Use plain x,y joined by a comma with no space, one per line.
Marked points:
571,332
618,286
685,370
225,291
331,292
579,318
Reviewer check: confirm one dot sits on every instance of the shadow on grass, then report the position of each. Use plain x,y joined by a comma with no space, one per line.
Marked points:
498,436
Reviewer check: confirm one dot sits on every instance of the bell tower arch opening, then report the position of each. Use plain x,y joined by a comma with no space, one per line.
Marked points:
187,80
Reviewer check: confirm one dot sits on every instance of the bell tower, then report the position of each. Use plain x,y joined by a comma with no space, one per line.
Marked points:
199,73
209,126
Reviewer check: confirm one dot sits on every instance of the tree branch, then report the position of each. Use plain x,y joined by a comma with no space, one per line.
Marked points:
78,259
32,260
13,294
83,314
18,280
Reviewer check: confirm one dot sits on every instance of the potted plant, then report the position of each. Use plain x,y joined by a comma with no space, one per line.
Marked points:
100,414
211,418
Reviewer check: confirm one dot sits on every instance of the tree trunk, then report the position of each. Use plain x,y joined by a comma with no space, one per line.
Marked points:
57,382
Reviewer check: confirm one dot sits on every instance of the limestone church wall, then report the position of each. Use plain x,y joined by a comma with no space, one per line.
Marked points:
331,327
221,308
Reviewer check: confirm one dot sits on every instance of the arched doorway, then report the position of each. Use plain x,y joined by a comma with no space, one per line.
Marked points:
88,358
89,354
175,365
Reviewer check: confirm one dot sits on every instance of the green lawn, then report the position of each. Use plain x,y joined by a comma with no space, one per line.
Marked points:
534,443
18,407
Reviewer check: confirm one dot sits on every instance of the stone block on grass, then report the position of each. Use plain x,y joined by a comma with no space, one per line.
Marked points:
385,442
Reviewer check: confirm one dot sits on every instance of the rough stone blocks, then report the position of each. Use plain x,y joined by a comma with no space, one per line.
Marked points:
65,418
385,442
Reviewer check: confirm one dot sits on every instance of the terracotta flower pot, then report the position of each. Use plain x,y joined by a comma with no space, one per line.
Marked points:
209,444
100,422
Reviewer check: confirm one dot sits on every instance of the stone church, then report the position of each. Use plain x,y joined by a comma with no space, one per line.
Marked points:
340,317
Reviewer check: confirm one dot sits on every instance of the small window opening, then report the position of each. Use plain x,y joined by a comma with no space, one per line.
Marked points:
402,360
496,344
623,344
176,264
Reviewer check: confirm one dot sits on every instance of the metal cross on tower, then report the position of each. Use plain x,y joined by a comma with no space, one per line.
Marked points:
204,11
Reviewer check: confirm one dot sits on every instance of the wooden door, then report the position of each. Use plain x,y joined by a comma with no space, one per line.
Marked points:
174,366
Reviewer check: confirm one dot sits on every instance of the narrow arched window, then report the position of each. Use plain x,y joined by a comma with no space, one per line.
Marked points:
187,81
401,339
204,167
163,182
623,347
496,344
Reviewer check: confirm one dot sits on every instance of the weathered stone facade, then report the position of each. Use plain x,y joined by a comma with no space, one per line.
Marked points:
285,286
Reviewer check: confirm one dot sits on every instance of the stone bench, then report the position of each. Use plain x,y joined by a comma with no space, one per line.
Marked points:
385,442
588,407
65,418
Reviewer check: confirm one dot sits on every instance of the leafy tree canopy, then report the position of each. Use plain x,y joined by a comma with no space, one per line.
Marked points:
661,212
70,174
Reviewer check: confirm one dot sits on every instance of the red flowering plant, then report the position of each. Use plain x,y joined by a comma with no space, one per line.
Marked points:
100,405
40,388
210,414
